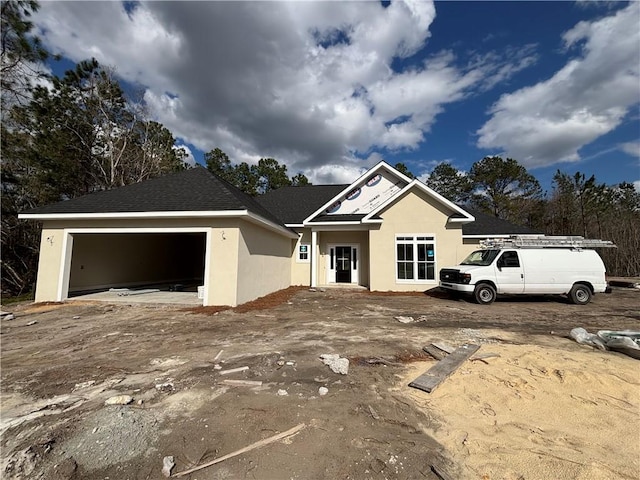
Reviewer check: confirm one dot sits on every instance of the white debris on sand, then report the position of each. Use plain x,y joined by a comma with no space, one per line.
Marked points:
167,465
322,391
282,393
119,400
335,363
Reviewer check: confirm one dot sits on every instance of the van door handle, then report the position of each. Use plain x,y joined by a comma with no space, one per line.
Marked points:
522,275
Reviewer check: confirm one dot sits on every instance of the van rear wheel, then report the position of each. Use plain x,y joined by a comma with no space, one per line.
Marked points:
580,294
484,294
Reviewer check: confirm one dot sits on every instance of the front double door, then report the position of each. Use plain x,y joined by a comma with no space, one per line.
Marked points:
343,264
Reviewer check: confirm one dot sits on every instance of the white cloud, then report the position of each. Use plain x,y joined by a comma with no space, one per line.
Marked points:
308,83
590,96
631,148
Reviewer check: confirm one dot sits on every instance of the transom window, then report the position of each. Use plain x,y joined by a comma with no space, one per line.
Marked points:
415,257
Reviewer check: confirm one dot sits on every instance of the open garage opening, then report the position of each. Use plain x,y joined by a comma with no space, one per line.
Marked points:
170,262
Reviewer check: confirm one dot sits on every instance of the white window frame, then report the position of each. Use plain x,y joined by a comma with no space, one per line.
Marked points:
414,240
299,253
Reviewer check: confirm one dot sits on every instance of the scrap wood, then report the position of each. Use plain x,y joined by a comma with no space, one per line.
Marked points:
248,448
243,383
382,361
433,377
233,370
434,352
445,347
218,355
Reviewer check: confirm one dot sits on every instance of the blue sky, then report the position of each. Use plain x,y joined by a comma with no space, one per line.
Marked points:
331,88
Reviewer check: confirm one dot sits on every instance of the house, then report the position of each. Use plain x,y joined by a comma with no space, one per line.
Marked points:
384,232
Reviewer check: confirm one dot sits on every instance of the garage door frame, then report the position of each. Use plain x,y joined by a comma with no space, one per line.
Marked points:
67,251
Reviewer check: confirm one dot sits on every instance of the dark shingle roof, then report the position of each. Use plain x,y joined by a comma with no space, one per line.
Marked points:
195,189
490,225
293,204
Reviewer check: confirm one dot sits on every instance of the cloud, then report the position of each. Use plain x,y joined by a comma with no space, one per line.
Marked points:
590,96
307,83
631,148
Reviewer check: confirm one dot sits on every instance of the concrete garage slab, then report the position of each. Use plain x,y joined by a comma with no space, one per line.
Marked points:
175,298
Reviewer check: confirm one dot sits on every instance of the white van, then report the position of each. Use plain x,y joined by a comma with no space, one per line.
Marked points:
485,273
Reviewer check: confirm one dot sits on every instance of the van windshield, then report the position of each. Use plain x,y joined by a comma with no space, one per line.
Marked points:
481,257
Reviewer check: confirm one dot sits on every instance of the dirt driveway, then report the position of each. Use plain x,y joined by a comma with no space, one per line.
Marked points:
58,372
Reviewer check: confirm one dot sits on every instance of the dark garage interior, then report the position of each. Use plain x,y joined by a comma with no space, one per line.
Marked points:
166,261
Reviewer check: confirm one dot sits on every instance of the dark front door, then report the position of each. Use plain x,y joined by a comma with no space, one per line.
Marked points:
343,264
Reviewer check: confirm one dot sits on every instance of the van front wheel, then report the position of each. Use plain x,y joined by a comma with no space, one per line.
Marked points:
580,294
484,294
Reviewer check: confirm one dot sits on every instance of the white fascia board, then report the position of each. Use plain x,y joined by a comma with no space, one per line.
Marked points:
337,227
380,165
252,217
134,215
468,219
313,224
294,225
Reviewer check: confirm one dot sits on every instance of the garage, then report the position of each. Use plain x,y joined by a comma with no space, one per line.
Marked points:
166,261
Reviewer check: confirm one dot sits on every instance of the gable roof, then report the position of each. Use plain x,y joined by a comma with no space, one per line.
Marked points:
488,225
293,204
192,192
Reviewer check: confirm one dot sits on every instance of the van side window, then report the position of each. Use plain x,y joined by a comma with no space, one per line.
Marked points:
509,259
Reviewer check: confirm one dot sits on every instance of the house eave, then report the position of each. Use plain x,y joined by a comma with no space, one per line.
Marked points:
243,214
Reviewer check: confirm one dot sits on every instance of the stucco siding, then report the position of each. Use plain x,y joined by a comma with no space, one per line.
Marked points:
52,241
418,214
301,271
264,262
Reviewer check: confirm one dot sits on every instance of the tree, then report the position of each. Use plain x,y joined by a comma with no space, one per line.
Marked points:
267,175
450,183
218,162
78,136
21,52
300,180
403,169
505,189
271,175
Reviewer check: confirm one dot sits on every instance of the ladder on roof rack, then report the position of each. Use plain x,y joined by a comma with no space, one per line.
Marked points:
541,241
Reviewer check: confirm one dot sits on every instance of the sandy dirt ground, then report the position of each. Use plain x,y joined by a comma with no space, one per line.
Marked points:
544,407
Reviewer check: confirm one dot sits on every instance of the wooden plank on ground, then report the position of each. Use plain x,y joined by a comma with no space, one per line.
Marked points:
445,347
434,352
433,377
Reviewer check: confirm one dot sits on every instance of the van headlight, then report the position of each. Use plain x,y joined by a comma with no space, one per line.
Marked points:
465,278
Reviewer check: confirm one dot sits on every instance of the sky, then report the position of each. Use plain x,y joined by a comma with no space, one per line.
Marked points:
331,88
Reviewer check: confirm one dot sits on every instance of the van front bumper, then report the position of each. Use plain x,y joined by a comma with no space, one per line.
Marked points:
457,287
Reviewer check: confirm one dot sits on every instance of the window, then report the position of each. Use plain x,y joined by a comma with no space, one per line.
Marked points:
415,258
303,253
509,259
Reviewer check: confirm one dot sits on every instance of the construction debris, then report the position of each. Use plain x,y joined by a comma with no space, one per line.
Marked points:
7,316
253,446
243,383
167,465
335,363
233,370
119,400
322,391
623,341
433,377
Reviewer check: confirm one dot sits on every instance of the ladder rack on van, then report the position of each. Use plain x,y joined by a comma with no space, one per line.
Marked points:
541,241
